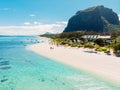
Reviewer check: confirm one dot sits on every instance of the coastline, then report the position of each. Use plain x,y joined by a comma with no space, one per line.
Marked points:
100,64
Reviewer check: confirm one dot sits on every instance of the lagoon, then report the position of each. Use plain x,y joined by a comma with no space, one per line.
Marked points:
21,69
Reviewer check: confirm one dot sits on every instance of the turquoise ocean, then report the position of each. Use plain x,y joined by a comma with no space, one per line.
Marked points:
21,69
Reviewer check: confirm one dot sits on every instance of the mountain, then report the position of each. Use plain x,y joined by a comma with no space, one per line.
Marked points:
47,33
97,19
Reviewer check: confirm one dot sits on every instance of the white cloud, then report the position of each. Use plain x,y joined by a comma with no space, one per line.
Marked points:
36,23
32,15
62,22
27,23
33,30
119,16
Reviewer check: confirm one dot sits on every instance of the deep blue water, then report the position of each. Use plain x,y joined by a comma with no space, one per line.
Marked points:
21,69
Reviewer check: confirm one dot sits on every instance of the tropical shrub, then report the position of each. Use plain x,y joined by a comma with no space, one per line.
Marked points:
104,49
99,41
89,45
116,47
114,35
74,45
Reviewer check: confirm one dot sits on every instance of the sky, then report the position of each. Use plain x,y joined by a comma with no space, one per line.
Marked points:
40,16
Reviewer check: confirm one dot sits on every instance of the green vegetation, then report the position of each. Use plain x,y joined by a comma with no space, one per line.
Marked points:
116,47
99,41
116,34
76,39
89,45
104,49
52,36
71,35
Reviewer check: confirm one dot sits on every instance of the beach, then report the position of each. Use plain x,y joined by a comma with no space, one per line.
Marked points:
100,64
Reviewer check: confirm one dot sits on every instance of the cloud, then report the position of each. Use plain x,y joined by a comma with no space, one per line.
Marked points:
26,23
36,23
32,15
62,22
33,29
119,16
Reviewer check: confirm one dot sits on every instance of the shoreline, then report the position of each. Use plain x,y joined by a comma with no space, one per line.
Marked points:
102,65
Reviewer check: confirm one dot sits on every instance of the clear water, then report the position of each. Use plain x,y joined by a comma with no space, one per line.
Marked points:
25,70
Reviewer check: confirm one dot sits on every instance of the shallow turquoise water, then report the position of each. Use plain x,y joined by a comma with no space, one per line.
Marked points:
25,70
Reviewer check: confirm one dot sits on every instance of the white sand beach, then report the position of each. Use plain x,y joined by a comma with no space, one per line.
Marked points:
107,66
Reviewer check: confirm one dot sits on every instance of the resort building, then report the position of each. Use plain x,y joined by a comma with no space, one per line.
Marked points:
90,37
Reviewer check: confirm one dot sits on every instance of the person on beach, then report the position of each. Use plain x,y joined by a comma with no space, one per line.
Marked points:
51,47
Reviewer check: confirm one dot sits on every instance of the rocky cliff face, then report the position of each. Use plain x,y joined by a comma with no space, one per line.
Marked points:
92,19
